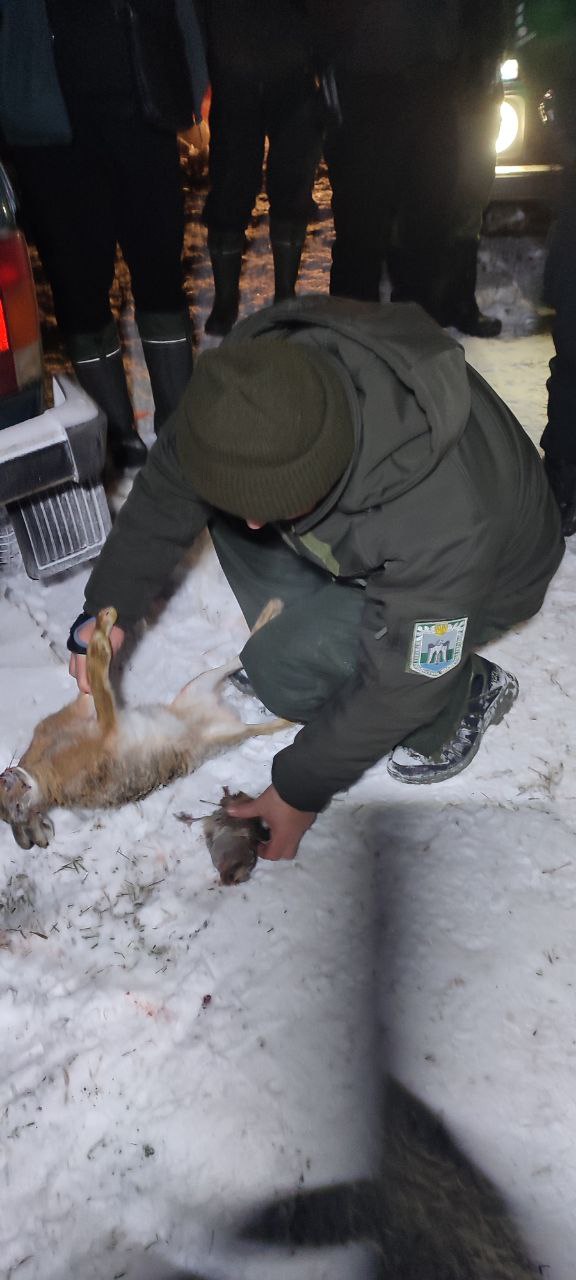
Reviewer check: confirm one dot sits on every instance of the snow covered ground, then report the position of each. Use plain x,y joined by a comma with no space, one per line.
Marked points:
175,1053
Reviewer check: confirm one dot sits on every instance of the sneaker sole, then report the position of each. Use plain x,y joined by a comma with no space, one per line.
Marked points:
502,704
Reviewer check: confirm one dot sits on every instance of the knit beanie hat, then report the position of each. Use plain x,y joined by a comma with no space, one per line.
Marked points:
265,428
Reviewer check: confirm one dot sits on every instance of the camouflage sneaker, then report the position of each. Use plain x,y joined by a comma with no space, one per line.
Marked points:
492,694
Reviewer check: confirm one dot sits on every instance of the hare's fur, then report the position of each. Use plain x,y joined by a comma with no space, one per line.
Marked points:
93,755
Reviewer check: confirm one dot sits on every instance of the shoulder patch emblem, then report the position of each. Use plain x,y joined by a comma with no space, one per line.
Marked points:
436,647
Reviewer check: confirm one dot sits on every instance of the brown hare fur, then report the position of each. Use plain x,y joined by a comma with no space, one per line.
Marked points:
92,754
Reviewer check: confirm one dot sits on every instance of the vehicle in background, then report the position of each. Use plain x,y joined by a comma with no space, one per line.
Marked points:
53,510
529,150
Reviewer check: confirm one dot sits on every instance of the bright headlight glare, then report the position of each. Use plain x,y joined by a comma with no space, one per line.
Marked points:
509,128
509,69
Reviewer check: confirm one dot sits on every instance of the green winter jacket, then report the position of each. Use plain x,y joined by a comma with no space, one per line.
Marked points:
444,514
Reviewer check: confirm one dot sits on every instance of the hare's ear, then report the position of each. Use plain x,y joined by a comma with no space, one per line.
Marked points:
14,795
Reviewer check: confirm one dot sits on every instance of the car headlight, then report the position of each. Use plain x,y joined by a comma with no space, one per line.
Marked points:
509,127
509,69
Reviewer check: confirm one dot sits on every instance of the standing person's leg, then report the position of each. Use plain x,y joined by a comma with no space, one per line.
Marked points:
236,157
67,202
559,438
478,115
149,210
68,197
362,175
427,186
294,133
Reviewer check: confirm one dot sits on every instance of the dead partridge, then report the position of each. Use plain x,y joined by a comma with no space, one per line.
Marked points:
233,842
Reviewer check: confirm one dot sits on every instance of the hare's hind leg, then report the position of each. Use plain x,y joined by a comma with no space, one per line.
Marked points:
98,663
227,730
205,685
202,690
269,612
267,726
199,701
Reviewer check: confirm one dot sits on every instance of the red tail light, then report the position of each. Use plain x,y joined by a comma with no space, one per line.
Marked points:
20,353
4,340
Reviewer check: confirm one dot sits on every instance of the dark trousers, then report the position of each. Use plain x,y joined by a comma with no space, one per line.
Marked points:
242,115
478,117
391,160
118,182
559,439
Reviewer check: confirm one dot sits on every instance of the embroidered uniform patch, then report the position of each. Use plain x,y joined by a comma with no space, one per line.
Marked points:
436,647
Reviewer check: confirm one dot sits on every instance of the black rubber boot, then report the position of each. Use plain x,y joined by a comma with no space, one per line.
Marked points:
98,364
492,693
287,240
562,480
167,346
226,249
460,307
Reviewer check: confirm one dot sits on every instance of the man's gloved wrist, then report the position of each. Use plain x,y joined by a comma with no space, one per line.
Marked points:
73,643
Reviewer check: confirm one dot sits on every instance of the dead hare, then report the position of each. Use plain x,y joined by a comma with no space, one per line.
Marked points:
93,755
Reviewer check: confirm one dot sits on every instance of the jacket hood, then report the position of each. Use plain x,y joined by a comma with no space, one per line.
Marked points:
406,381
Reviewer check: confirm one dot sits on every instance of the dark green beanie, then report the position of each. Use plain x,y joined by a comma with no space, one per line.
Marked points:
266,429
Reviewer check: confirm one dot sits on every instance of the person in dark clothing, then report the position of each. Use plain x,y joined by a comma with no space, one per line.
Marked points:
98,164
553,31
391,143
412,148
559,438
263,87
478,95
348,461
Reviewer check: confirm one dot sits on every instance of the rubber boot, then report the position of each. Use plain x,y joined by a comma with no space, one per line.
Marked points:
287,240
226,249
167,345
460,306
98,364
562,480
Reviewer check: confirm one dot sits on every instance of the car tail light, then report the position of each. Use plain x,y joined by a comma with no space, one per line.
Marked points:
20,351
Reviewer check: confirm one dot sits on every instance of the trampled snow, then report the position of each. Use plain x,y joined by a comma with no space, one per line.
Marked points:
175,1053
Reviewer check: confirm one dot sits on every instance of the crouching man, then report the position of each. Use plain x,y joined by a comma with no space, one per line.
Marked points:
347,460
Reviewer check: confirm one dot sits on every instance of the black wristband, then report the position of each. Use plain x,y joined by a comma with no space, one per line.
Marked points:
73,644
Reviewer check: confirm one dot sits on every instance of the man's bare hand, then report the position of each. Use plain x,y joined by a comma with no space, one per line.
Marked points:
286,825
77,664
